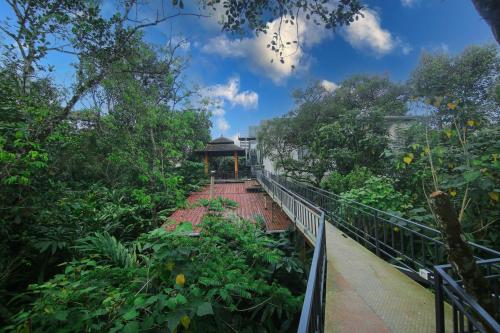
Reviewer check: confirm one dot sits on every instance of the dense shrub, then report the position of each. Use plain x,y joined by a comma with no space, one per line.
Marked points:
338,183
232,277
379,192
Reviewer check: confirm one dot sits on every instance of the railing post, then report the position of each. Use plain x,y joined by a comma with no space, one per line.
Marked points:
377,248
438,286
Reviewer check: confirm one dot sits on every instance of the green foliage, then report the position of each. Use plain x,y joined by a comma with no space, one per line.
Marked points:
378,192
335,131
466,165
106,249
344,141
120,172
218,204
231,277
337,183
467,80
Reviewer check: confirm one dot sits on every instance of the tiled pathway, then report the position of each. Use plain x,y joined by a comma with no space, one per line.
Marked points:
366,294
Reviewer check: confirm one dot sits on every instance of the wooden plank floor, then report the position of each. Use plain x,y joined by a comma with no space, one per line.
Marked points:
250,205
366,294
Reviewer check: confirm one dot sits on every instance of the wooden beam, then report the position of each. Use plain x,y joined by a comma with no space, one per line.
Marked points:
206,164
235,155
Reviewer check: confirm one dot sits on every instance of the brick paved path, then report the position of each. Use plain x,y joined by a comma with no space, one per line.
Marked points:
250,205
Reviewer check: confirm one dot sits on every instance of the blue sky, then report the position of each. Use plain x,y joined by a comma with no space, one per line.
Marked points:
238,75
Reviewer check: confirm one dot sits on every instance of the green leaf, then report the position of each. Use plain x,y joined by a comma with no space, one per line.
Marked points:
61,315
131,327
173,320
139,302
204,309
470,176
130,315
151,300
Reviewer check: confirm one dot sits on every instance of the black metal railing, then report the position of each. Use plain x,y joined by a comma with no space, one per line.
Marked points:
312,318
310,220
467,315
403,242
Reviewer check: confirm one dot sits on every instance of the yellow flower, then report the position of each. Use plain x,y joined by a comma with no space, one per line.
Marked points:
471,122
170,265
185,321
453,193
452,106
494,156
448,132
180,279
494,196
396,229
408,158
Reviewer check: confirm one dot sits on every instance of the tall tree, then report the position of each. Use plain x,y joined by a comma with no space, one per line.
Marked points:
461,87
337,130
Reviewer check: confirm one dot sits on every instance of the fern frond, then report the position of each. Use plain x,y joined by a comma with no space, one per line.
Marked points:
108,248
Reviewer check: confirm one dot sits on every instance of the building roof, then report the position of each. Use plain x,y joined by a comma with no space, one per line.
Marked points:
221,140
222,147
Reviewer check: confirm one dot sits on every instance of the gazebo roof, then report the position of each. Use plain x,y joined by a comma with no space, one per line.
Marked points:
222,147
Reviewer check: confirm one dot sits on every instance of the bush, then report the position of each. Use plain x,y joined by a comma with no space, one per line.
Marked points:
338,183
379,192
231,276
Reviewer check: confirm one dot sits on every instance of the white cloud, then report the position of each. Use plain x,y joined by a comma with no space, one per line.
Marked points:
179,41
367,33
218,112
406,49
220,94
255,49
223,46
235,139
222,124
231,93
328,85
408,3
443,47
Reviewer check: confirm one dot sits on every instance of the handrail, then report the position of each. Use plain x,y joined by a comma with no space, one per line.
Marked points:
312,317
466,310
310,220
407,243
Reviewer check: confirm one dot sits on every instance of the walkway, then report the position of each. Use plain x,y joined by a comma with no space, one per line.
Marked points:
366,294
363,292
250,205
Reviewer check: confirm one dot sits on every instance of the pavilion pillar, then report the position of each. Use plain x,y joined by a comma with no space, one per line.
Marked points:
206,164
235,155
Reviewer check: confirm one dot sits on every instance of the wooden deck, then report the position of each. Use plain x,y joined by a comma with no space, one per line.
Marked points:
250,205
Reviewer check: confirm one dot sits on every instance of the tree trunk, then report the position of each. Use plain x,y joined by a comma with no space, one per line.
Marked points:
460,255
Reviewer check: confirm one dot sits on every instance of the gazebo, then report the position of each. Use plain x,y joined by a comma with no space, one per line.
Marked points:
221,147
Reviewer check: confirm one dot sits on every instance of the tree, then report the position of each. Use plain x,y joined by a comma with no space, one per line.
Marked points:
459,87
334,131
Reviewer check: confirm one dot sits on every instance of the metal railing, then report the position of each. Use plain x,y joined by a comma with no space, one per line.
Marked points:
468,315
310,220
312,318
402,242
